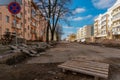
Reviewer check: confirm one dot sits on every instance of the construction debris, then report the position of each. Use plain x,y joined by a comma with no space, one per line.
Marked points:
31,50
96,69
22,49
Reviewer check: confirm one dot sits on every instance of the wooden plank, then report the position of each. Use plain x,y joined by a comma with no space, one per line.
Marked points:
86,63
93,62
85,71
91,69
87,67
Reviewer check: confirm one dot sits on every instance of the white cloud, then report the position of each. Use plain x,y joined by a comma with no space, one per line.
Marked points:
103,4
70,18
79,18
68,27
69,32
77,28
89,16
79,10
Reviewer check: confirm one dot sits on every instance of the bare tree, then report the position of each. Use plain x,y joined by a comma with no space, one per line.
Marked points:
54,11
59,32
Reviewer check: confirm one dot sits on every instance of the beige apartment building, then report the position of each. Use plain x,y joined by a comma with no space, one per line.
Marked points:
107,25
29,24
115,13
101,26
78,35
84,33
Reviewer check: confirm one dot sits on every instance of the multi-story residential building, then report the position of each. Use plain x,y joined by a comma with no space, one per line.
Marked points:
96,25
101,26
29,24
88,30
84,33
107,25
115,13
78,35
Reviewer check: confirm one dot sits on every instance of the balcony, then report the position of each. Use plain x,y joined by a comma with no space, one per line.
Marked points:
19,16
99,35
115,12
103,19
115,25
103,24
115,19
95,23
116,30
35,18
33,24
116,33
13,25
19,26
104,27
33,31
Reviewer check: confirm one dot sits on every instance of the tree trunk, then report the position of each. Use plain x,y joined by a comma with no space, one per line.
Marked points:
47,34
57,37
52,35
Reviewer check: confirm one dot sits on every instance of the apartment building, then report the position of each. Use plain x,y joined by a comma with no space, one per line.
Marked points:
78,35
101,26
115,13
106,26
29,24
84,33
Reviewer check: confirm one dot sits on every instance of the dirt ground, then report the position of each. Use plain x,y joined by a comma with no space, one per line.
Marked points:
38,72
45,67
67,51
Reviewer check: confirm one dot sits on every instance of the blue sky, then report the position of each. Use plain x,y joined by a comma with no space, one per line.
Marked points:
84,13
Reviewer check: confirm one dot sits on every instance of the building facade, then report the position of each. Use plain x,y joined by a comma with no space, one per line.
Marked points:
106,25
84,33
115,13
29,24
71,37
101,26
78,35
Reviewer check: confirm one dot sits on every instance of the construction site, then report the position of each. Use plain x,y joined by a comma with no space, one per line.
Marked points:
59,61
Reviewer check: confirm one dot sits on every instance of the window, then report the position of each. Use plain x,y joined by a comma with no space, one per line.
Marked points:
25,29
7,30
28,2
7,19
29,19
25,21
28,35
14,22
21,24
28,10
28,27
25,11
0,16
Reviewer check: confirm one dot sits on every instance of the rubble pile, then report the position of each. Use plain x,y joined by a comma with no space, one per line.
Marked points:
31,50
105,43
18,53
